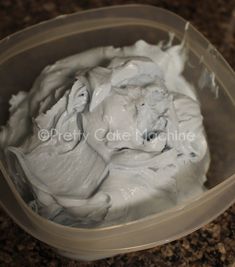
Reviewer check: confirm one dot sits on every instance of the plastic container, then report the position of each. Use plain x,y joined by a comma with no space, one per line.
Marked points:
24,54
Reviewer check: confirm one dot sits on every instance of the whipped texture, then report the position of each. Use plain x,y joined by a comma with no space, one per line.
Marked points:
135,143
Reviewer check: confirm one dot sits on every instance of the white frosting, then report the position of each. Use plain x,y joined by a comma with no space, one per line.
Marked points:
131,106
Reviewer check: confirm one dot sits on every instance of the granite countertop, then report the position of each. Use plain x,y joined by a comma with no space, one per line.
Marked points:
211,246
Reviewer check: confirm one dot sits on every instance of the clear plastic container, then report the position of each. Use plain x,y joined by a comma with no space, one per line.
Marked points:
24,54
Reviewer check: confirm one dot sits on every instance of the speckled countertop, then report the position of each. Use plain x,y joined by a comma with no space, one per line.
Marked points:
211,246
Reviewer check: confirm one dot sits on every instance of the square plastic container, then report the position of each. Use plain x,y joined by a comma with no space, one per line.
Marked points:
24,54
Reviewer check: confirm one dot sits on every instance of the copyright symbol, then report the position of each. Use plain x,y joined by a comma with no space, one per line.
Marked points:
43,135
